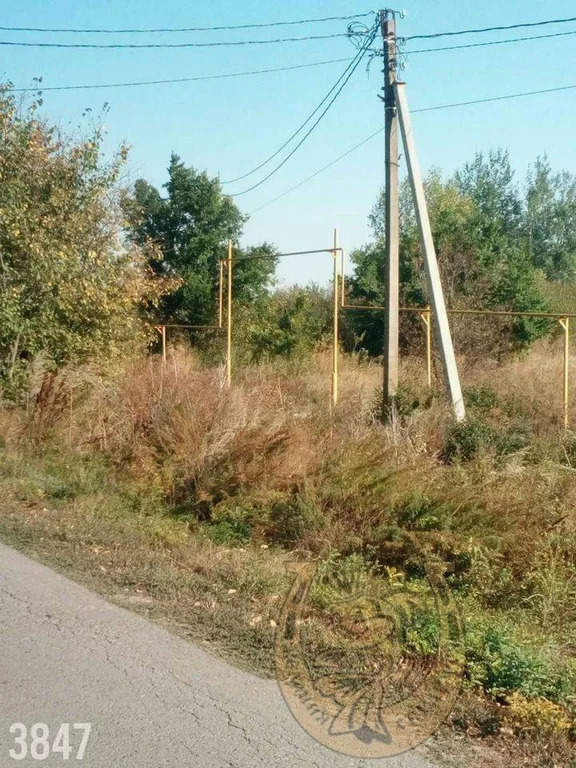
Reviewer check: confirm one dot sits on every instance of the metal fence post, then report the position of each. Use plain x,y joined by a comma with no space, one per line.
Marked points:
221,295
229,319
565,323
163,347
426,318
336,324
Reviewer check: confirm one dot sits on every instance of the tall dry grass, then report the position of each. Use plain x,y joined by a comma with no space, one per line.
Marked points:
274,434
276,420
272,466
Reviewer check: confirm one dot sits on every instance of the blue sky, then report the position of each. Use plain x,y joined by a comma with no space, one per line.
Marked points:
229,126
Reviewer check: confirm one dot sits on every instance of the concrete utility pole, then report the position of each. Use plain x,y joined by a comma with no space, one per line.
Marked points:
335,349
391,266
229,317
441,325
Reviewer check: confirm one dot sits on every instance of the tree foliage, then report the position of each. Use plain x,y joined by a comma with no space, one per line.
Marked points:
83,261
292,323
550,221
478,220
70,287
190,226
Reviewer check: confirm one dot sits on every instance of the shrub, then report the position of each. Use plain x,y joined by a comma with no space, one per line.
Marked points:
340,576
230,522
482,399
508,667
466,439
291,517
503,663
537,717
291,324
71,287
406,402
421,513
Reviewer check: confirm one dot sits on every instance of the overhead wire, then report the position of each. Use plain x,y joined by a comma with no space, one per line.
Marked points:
264,42
297,131
40,87
213,44
357,59
285,69
261,25
414,111
347,73
500,28
319,171
489,42
264,25
496,98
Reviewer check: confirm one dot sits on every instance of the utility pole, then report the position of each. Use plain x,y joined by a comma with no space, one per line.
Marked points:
335,349
229,318
391,265
441,324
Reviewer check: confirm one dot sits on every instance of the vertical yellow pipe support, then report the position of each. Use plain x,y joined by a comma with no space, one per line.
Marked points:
426,317
565,323
427,320
229,319
163,347
221,295
566,368
342,280
336,324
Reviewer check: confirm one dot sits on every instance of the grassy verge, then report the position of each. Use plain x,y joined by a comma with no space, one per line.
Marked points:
74,516
188,504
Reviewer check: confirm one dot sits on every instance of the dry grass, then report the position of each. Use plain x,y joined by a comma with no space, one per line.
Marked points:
187,500
201,448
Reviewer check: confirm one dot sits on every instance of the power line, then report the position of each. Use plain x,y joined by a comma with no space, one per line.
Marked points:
422,109
264,25
21,44
188,29
491,42
319,171
178,79
357,59
491,29
247,42
285,69
496,98
297,131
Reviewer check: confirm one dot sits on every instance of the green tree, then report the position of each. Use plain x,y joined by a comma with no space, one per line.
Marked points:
477,227
550,220
70,287
190,226
489,181
294,322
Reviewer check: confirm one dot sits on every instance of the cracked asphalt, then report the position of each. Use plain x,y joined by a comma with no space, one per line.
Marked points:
154,700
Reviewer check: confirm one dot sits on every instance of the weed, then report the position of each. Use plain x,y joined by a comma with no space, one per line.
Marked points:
420,513
230,522
338,577
466,439
537,716
291,517
481,399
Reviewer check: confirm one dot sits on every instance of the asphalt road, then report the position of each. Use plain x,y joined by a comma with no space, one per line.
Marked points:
68,656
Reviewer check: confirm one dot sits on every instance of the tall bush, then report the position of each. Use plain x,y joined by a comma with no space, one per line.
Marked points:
70,285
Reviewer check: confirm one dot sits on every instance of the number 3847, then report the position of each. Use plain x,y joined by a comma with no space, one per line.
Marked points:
38,742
